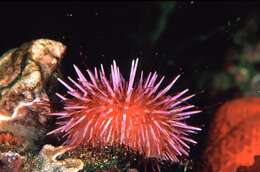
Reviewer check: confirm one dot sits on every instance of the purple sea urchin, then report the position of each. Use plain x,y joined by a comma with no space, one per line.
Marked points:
105,112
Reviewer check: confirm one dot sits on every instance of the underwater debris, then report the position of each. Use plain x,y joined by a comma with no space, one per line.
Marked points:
24,73
106,112
234,137
50,163
10,162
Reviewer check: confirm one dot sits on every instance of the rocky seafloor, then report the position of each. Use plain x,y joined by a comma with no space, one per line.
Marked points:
27,76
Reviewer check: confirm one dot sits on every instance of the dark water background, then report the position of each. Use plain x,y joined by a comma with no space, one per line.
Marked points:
191,38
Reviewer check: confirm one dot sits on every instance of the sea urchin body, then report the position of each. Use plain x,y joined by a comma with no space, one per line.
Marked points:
138,115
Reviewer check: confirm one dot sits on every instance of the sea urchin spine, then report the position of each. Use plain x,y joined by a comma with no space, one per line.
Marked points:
106,112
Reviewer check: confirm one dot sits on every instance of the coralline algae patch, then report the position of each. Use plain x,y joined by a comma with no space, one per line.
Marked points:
161,131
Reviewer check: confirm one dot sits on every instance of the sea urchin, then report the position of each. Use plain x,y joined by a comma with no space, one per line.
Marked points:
138,115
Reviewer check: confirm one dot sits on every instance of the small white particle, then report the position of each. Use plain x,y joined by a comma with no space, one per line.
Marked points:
229,23
69,15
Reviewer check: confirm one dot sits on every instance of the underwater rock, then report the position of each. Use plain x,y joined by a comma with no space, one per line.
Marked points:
234,137
24,73
49,155
10,162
